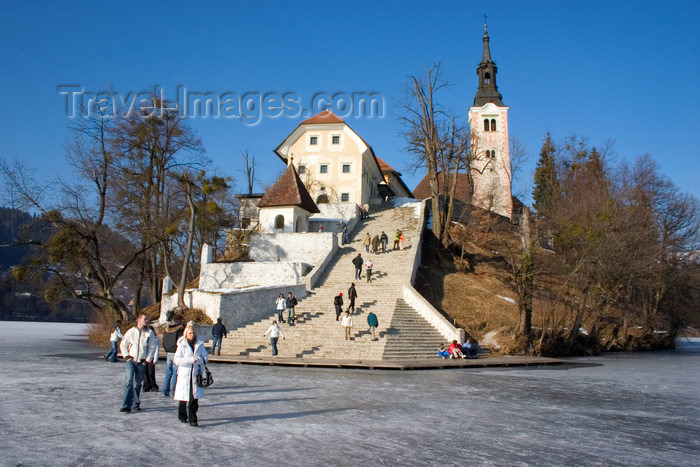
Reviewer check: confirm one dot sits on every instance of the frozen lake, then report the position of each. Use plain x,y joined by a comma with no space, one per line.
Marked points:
60,406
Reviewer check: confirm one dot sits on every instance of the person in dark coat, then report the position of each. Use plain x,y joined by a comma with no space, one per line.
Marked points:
385,240
352,295
375,244
338,302
218,332
358,262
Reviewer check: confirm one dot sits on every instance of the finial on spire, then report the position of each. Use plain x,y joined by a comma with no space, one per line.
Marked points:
485,24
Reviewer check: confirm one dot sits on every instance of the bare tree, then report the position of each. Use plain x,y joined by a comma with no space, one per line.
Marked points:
249,170
440,145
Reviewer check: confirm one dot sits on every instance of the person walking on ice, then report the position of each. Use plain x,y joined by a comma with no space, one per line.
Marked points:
138,346
190,358
274,331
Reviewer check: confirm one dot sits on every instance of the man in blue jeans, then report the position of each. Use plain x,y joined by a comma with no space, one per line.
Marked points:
218,332
138,346
170,337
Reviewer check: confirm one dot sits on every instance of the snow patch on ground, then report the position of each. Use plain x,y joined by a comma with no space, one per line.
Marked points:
408,203
509,300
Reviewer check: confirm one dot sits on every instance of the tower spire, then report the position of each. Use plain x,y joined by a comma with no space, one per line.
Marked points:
487,91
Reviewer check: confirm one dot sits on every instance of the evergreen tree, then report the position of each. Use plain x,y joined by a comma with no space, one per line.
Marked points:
546,179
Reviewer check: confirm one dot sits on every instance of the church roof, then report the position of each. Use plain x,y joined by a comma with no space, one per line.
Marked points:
423,191
488,90
324,117
289,190
385,167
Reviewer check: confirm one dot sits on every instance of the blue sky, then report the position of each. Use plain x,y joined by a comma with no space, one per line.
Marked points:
626,70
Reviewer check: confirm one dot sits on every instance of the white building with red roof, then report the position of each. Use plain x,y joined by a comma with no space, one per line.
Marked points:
337,165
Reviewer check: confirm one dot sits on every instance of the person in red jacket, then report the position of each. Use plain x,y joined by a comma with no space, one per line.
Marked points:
456,350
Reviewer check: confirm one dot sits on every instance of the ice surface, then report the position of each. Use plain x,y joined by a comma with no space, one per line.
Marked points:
61,399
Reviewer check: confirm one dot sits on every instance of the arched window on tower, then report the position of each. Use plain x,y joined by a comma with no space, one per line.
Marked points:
487,78
488,154
493,124
279,222
493,154
486,124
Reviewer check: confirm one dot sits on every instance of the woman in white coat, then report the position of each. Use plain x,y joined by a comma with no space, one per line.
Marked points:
190,358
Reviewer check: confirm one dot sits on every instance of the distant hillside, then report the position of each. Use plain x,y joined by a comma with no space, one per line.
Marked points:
23,300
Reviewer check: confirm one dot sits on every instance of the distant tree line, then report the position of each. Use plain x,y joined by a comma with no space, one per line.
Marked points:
141,199
24,299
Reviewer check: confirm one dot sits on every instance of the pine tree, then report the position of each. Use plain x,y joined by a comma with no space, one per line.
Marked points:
546,179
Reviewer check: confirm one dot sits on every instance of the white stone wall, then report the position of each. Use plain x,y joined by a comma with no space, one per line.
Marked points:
246,274
417,301
235,308
310,248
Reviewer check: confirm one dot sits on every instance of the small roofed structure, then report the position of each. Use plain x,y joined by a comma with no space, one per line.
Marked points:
287,205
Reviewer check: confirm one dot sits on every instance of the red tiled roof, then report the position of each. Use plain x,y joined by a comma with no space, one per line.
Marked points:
324,117
384,166
289,190
423,191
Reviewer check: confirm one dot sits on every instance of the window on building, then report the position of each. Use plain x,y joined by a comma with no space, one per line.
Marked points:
344,197
279,222
313,140
335,139
487,78
493,124
493,154
324,168
302,169
486,124
488,154
346,168
322,199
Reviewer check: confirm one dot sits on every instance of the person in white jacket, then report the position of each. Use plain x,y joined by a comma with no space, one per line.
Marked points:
281,304
138,346
346,322
114,338
190,358
274,331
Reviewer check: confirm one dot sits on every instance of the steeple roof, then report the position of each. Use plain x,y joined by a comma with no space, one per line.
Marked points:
289,190
487,91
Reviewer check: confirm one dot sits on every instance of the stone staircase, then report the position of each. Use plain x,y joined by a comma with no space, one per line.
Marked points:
402,332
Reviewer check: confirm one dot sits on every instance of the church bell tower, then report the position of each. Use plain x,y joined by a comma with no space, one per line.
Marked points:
488,121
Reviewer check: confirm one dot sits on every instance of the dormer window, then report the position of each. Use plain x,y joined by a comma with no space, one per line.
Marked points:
313,140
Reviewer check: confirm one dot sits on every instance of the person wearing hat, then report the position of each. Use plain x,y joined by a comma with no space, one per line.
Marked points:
338,302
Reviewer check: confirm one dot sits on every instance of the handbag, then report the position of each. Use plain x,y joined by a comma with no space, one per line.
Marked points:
206,380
